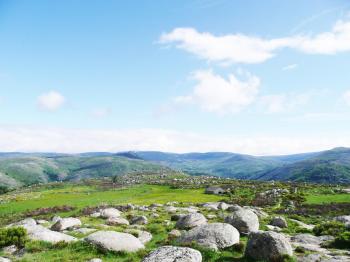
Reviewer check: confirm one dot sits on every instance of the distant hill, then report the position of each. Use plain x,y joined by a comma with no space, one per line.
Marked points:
31,169
222,164
17,169
331,166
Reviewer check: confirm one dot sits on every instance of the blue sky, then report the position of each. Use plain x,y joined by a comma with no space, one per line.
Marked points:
257,77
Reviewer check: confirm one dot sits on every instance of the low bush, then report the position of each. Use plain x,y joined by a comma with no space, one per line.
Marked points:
342,241
332,228
13,236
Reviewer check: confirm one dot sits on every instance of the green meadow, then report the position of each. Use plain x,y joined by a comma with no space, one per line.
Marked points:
82,196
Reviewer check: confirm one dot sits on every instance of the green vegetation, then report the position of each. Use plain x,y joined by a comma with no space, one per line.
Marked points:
327,198
29,170
332,228
81,196
342,240
13,236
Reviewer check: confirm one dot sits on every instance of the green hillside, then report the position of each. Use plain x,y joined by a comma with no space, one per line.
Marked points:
18,169
332,166
29,170
214,163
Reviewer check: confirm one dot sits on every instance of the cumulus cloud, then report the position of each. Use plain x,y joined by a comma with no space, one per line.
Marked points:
51,101
240,48
41,139
236,48
213,93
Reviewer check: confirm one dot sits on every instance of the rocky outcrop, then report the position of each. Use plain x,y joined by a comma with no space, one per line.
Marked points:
215,236
174,254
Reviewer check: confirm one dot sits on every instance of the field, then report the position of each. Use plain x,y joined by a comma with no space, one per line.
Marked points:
82,196
18,204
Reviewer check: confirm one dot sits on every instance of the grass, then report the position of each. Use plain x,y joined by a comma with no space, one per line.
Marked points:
327,198
82,196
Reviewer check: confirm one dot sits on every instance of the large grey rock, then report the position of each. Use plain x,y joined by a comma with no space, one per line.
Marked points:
66,223
110,212
214,236
268,246
174,254
190,221
244,220
279,222
115,241
38,232
4,259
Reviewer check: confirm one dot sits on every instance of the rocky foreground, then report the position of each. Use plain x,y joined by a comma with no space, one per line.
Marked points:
215,226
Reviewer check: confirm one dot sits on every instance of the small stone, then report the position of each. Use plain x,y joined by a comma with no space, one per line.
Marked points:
66,223
115,221
110,212
139,220
279,222
174,233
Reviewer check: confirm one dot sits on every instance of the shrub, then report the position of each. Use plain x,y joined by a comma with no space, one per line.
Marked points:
13,236
332,228
342,241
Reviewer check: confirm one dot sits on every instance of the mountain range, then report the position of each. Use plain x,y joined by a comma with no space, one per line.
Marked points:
19,169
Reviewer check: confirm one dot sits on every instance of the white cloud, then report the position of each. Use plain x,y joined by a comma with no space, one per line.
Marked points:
335,41
216,94
240,48
283,102
41,139
101,112
51,101
290,67
346,97
236,48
